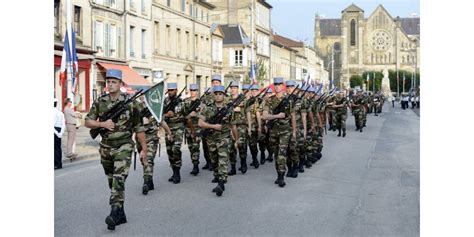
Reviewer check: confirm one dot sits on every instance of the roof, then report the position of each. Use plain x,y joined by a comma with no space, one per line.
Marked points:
206,4
411,25
265,3
130,77
352,8
286,41
234,34
330,27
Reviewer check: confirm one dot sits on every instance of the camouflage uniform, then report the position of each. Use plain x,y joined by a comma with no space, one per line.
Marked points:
357,109
280,133
219,142
341,115
253,139
296,147
173,148
264,144
116,146
193,140
239,119
331,113
207,100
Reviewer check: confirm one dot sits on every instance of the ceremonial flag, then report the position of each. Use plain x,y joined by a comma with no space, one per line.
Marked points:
154,100
65,60
253,74
75,65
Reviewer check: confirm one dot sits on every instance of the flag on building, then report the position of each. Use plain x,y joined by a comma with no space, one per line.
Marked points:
75,64
65,60
154,99
253,74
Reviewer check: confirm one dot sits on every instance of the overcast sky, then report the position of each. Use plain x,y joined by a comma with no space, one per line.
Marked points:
295,18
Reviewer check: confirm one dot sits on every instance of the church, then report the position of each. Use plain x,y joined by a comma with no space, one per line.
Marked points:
354,44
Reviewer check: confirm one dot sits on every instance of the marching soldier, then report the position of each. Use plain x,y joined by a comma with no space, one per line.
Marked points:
175,120
341,113
219,139
284,126
266,133
192,128
330,111
357,109
205,147
116,146
296,146
152,140
253,127
239,129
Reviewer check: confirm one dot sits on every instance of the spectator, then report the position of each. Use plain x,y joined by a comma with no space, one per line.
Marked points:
58,133
417,100
71,127
412,100
393,101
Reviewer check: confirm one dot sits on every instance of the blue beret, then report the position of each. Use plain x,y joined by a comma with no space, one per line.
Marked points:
172,86
254,87
219,88
216,77
193,87
278,80
113,73
290,83
234,83
312,89
270,90
246,87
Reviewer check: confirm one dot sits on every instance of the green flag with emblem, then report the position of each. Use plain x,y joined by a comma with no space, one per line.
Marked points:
154,100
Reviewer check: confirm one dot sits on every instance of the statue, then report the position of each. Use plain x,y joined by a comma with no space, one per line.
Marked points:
386,84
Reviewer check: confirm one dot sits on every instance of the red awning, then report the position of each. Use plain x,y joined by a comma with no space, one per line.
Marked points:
129,76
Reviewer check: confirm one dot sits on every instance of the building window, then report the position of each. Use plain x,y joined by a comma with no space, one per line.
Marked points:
56,16
132,5
183,6
403,59
107,40
207,17
143,6
132,43
119,42
110,3
143,43
196,42
168,38
113,41
168,3
191,10
188,44
178,41
353,32
77,20
98,35
202,15
196,13
157,35
239,58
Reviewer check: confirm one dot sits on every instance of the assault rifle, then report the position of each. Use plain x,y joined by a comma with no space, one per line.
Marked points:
221,113
296,97
114,113
252,100
174,102
192,108
280,108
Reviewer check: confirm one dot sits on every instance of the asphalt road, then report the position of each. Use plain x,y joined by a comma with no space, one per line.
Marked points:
366,184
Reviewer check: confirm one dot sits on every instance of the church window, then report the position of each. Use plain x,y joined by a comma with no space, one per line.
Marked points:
353,33
385,58
403,59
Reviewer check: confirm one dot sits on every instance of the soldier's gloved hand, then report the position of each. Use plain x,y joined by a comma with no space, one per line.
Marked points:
169,114
143,156
170,137
249,131
108,125
281,115
192,114
294,135
217,127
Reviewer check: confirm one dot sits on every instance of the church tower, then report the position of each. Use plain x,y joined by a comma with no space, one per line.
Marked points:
352,37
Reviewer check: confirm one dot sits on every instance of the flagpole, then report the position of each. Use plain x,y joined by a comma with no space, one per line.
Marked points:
69,64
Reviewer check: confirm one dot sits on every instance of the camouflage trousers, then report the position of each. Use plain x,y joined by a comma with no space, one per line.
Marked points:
173,149
359,118
219,155
205,149
193,145
297,149
253,141
318,139
341,120
116,163
152,146
262,141
278,142
331,118
241,145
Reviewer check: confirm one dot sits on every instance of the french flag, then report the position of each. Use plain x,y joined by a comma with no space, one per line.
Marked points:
69,60
75,66
65,60
253,74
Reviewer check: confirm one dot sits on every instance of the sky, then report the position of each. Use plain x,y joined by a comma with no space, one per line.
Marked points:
295,18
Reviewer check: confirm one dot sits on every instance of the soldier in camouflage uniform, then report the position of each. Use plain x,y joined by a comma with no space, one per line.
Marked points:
208,100
265,131
152,141
314,143
239,130
253,126
296,146
219,139
205,147
331,113
192,128
357,109
341,113
284,126
116,146
175,120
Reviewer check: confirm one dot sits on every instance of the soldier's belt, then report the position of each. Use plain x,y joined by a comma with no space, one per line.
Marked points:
116,143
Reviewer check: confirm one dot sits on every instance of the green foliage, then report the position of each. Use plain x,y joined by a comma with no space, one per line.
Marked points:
356,80
392,75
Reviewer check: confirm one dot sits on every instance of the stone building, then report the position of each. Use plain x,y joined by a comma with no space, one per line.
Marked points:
360,44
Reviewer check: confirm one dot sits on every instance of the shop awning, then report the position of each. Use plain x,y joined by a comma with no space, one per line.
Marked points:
130,77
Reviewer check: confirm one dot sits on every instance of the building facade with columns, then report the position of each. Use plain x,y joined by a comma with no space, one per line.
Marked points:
375,43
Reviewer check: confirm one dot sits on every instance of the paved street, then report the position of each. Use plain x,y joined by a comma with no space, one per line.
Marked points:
367,184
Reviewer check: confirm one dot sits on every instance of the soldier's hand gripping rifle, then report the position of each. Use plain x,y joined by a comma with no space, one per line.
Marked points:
114,113
221,113
194,105
280,108
252,100
174,102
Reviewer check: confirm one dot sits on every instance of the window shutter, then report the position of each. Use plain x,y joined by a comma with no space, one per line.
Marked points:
113,37
94,42
107,39
99,34
244,57
231,57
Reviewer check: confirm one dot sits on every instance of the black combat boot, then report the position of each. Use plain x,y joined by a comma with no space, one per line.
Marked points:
151,186
318,156
255,162
357,128
308,163
122,219
360,130
211,167
270,157
232,170
262,157
280,180
301,166
290,171
145,187
195,170
112,219
343,132
339,134
176,175
214,180
206,166
243,166
219,189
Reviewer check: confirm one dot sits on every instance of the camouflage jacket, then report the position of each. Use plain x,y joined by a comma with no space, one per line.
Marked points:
150,124
177,120
341,101
187,103
239,118
207,113
301,106
272,103
128,122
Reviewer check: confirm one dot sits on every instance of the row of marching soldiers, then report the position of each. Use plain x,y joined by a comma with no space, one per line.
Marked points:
288,124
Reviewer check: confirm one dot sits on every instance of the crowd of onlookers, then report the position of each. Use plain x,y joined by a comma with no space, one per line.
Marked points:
406,100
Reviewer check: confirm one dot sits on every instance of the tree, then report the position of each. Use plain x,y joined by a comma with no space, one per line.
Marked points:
260,75
356,80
